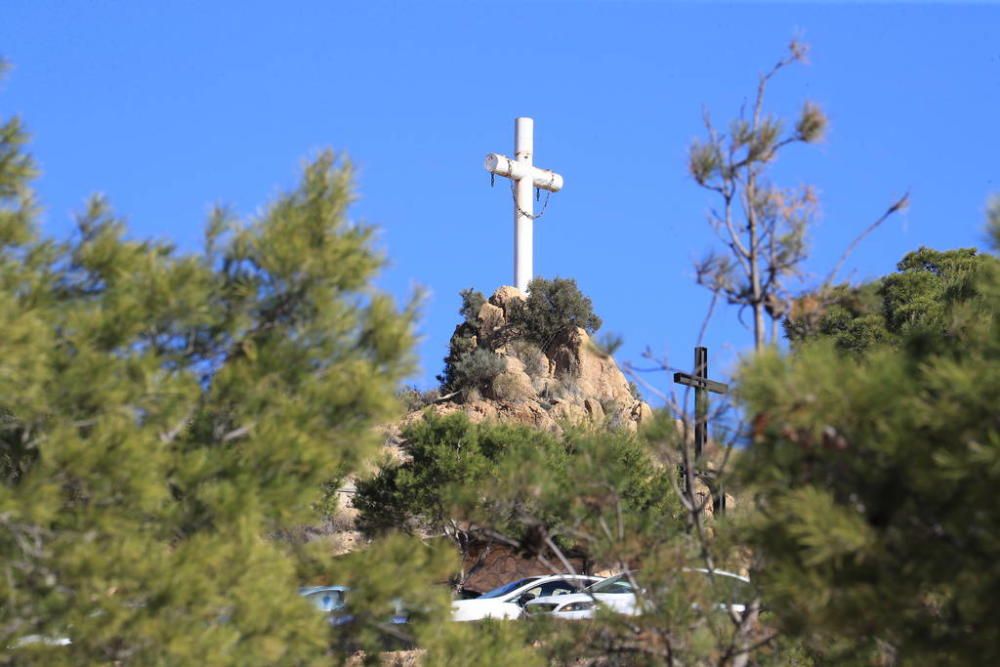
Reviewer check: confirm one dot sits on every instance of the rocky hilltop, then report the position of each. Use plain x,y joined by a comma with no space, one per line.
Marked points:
565,380
504,367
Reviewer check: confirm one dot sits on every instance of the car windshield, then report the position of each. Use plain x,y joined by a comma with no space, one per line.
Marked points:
730,589
507,588
617,584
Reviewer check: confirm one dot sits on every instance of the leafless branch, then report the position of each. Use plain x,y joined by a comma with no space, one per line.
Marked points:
238,433
899,205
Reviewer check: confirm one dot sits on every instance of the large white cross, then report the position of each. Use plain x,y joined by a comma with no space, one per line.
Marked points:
525,176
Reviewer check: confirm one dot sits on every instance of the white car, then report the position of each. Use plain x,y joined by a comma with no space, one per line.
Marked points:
507,600
616,594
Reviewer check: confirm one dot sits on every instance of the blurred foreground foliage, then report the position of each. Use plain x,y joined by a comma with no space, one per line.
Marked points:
874,464
164,414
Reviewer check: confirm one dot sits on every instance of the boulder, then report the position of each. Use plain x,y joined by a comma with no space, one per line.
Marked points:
594,410
491,318
568,413
512,386
505,295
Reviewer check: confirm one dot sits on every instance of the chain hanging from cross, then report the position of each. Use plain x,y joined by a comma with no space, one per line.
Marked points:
513,194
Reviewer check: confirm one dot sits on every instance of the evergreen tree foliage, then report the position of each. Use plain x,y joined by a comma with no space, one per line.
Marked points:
597,494
553,307
452,463
874,475
472,302
163,415
913,304
475,371
463,342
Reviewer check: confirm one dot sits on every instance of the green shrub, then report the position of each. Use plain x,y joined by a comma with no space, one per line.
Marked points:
414,398
633,389
608,344
477,369
472,302
458,469
464,341
553,307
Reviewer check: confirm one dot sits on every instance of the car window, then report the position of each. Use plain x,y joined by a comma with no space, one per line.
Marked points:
556,587
506,588
327,600
612,585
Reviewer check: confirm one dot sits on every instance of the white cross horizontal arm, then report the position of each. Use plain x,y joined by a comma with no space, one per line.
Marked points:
544,179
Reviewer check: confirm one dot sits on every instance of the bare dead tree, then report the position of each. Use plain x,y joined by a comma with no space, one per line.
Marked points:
762,226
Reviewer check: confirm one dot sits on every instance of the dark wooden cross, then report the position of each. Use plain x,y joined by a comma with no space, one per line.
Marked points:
702,385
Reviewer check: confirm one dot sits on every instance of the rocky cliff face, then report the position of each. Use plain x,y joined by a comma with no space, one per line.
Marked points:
566,382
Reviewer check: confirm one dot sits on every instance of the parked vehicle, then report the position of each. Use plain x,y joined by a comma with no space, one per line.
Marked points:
617,594
326,598
332,600
507,601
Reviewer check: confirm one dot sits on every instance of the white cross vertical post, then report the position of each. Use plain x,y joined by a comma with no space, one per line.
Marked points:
525,176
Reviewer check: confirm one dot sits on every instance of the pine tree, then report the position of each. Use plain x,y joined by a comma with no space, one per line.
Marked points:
874,472
164,414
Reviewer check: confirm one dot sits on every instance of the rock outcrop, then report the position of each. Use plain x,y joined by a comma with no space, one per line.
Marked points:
567,382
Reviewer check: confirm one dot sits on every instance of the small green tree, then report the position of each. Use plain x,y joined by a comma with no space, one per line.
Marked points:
553,308
463,342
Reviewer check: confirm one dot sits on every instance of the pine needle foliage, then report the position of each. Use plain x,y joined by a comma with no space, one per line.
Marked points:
499,474
915,305
553,308
874,466
163,414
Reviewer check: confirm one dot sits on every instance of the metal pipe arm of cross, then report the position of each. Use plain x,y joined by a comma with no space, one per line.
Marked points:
544,179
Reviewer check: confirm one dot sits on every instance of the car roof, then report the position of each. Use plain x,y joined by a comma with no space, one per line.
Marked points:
723,573
309,590
534,581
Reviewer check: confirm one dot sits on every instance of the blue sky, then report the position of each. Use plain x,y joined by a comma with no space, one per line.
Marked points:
169,108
